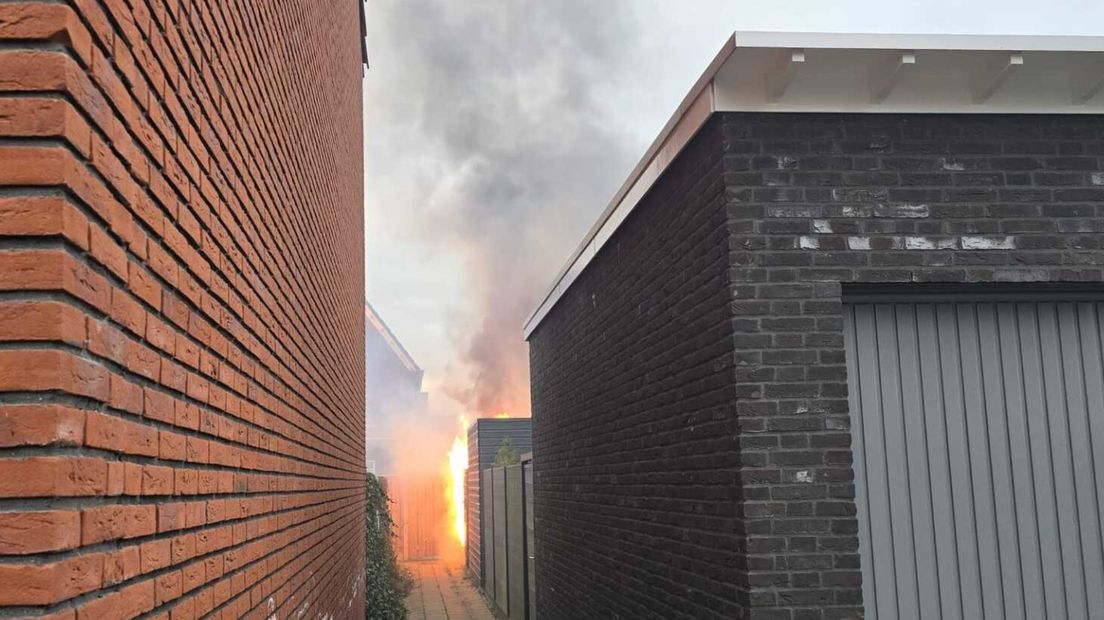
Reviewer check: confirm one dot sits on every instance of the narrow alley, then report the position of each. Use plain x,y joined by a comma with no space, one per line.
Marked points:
442,593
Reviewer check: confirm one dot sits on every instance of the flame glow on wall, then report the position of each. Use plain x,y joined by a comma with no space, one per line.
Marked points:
457,468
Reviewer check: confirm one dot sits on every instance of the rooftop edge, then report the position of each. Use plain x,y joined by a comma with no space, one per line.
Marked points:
866,73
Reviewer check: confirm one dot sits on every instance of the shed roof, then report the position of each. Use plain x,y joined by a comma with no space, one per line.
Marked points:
485,435
866,73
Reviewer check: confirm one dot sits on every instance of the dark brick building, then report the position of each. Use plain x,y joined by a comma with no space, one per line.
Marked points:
698,450
181,294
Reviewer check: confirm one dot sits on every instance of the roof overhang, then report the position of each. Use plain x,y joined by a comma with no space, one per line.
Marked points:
861,73
363,36
373,319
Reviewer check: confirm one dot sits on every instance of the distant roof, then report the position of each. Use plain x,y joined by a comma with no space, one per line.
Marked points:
363,35
392,342
500,423
870,73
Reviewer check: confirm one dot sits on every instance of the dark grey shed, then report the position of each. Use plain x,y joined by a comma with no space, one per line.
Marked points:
485,436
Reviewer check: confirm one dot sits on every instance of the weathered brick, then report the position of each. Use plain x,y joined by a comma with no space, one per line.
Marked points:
40,425
114,522
23,533
45,584
45,476
713,350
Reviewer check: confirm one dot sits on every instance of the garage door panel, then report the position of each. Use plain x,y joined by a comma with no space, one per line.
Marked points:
978,428
879,531
1062,457
992,390
1092,323
943,519
898,492
916,445
961,474
1094,381
1081,447
858,432
1042,471
974,408
1019,444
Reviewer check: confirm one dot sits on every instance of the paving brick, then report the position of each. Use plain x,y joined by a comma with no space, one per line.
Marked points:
441,592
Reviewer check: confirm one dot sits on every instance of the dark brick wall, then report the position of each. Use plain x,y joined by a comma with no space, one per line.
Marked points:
817,201
633,415
812,203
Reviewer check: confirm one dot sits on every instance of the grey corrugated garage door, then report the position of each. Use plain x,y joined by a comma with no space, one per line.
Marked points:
978,431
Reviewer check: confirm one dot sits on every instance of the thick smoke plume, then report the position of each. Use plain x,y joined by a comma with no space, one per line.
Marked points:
494,127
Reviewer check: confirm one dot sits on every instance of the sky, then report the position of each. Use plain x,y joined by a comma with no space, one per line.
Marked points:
496,131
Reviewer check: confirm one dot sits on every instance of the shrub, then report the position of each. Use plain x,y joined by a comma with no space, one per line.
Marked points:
386,585
507,454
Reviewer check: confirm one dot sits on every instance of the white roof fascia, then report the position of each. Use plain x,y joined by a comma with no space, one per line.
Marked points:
859,73
700,99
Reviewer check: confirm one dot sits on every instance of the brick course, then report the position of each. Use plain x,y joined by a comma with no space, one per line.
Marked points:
181,284
634,436
811,203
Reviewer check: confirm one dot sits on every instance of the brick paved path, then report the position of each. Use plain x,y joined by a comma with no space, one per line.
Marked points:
441,592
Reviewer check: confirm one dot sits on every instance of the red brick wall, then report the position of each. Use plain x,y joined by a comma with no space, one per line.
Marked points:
181,288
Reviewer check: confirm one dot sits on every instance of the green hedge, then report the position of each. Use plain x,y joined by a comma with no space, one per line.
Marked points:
386,585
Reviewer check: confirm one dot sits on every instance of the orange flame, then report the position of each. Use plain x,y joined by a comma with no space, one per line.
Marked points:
457,470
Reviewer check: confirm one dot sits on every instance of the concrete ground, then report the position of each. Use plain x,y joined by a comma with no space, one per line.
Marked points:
441,592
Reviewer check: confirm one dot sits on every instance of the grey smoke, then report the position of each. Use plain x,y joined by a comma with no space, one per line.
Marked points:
506,105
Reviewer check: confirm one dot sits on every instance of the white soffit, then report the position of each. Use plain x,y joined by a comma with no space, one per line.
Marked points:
863,73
